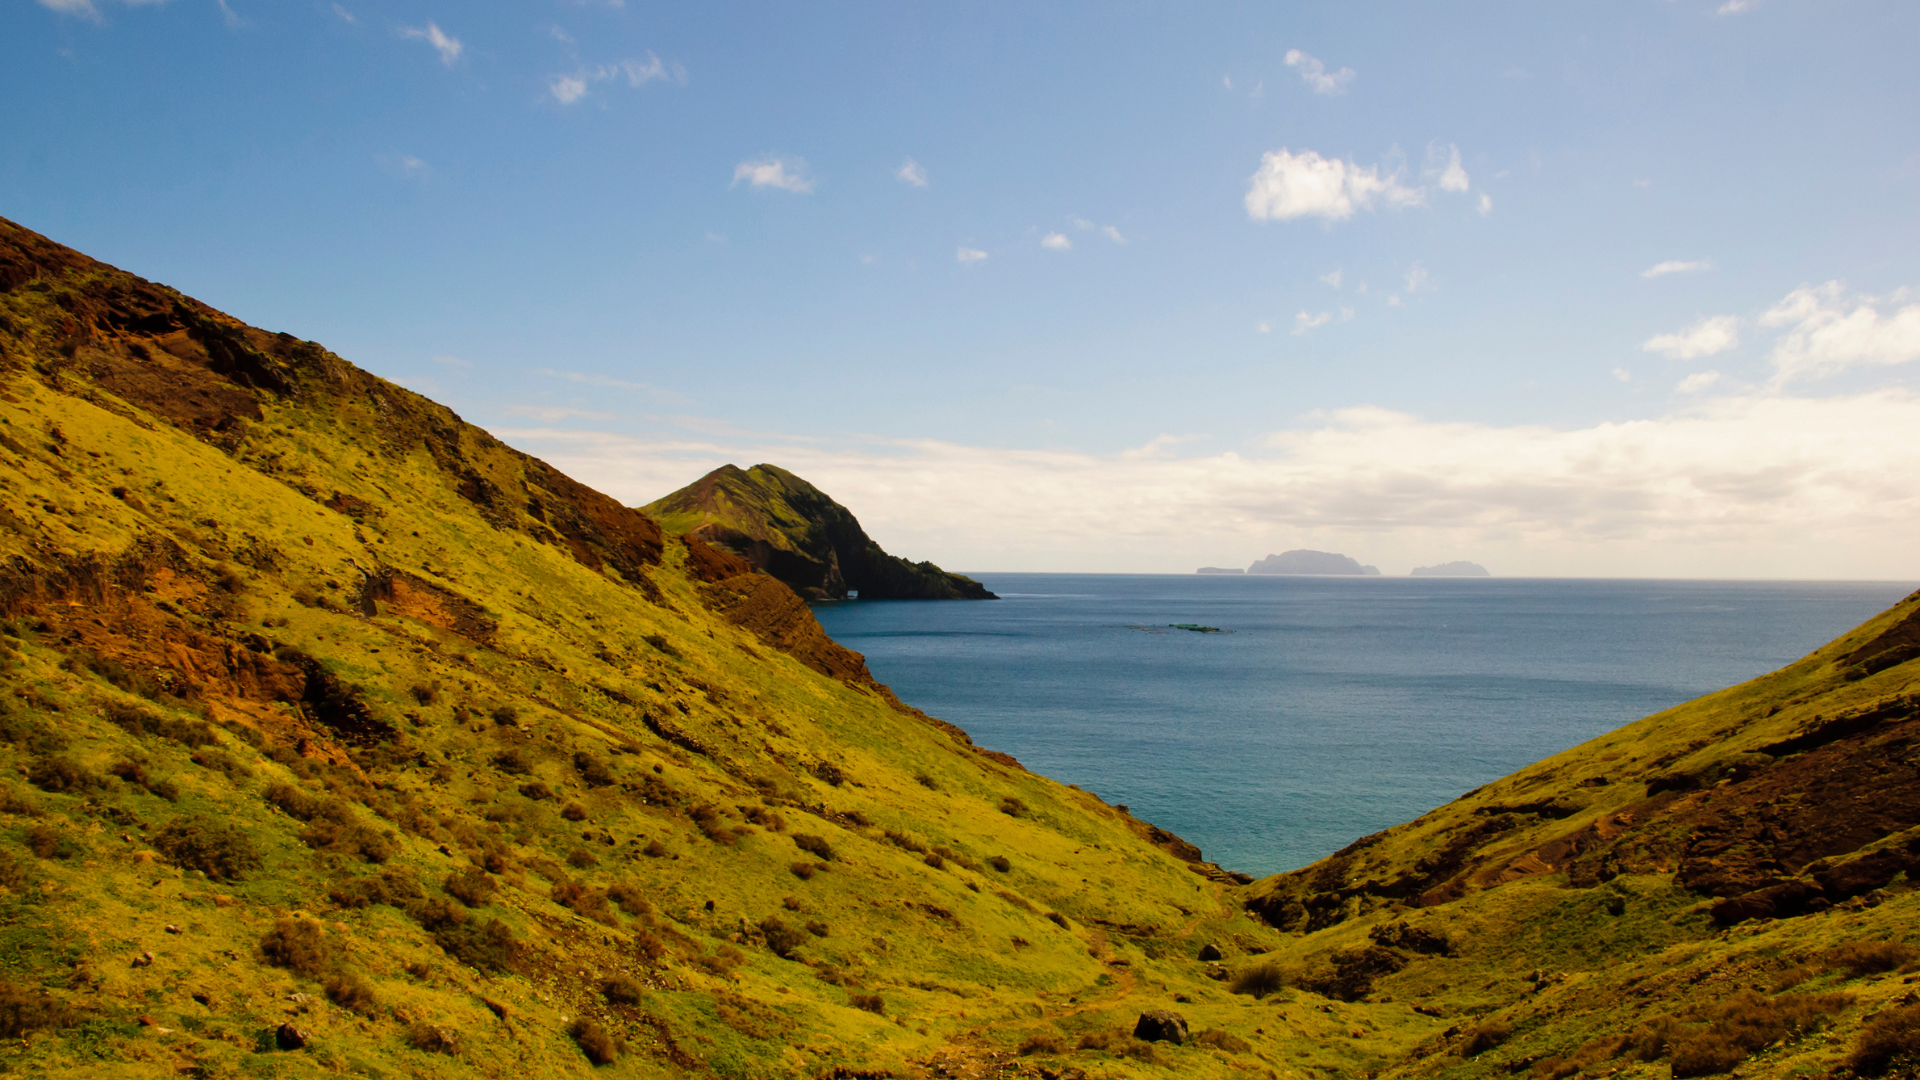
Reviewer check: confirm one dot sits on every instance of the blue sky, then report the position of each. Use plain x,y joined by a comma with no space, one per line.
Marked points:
1566,288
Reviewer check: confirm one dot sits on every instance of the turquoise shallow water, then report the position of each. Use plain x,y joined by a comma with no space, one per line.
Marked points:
1338,706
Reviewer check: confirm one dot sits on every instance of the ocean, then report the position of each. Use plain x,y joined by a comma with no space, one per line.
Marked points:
1334,707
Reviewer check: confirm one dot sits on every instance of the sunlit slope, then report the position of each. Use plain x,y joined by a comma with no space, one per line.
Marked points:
338,737
1736,864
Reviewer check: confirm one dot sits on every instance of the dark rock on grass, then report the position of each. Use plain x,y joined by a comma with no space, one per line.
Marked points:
289,1037
1161,1025
1209,952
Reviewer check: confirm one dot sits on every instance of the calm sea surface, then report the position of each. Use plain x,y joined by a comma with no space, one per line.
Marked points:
1337,706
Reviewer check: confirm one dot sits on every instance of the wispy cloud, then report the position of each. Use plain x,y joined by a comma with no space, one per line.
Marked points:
445,44
1708,337
1676,266
344,14
1418,280
1333,277
1486,204
775,171
84,9
911,173
1054,241
1291,185
967,255
453,362
1698,381
1316,74
1306,321
1444,168
569,88
550,414
1735,7
403,166
607,382
1829,331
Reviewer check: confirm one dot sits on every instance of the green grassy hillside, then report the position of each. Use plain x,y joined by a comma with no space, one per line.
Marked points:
794,531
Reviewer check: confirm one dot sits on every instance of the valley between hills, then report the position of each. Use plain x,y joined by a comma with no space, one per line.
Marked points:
339,738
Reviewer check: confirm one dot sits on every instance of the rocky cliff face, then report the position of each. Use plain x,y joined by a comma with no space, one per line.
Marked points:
795,532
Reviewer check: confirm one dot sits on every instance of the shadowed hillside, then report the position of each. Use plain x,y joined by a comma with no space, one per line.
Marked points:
792,530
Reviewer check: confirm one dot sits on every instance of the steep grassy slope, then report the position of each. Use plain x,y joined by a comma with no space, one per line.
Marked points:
1728,877
794,531
326,719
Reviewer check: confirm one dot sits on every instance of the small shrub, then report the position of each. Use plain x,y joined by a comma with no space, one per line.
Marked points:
620,990
217,849
350,838
61,776
1888,1040
629,899
1216,1039
13,876
395,888
904,842
512,761
1257,980
1871,957
1000,863
587,901
423,694
926,781
432,1038
224,763
654,849
870,1002
506,716
818,928
30,733
661,643
350,990
649,947
1044,1043
138,721
23,1010
581,859
781,938
573,811
592,769
300,946
540,792
1013,807
1016,900
594,1042
49,842
1485,1037
814,845
471,887
489,947
802,870
934,860
1059,920
792,903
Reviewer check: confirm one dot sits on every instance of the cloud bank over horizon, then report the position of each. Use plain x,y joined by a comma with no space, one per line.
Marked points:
1753,484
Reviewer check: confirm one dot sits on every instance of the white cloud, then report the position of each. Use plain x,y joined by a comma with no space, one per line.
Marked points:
1697,382
913,173
1676,266
1332,277
1292,185
1707,337
1394,300
967,255
1264,328
1623,374
1486,204
1829,331
345,14
569,88
1735,7
1316,75
1113,234
1446,169
1749,485
453,362
775,171
1418,280
1305,321
445,44
1054,241
84,9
